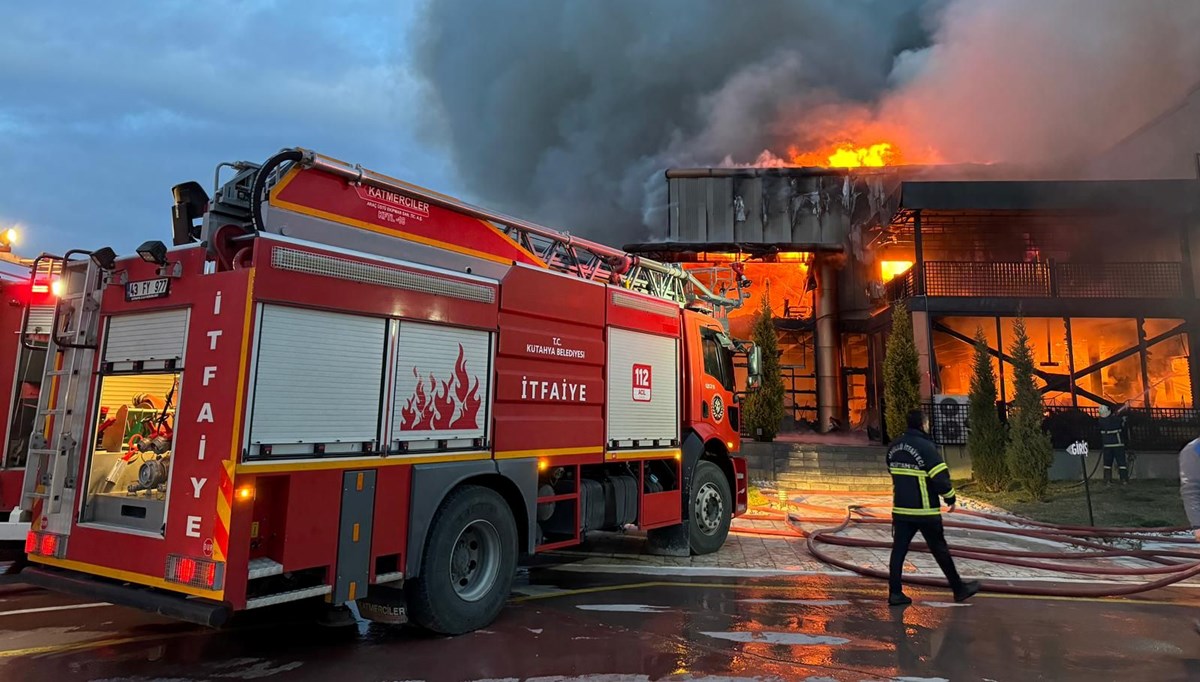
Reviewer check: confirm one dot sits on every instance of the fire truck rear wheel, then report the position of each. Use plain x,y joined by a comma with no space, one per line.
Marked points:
711,509
469,562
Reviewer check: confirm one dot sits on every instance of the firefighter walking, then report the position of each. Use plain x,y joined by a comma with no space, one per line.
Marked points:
919,478
1112,435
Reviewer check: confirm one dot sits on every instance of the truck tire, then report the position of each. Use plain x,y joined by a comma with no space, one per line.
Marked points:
468,566
711,509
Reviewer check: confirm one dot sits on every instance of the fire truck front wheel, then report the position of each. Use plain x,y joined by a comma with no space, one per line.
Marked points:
711,509
469,562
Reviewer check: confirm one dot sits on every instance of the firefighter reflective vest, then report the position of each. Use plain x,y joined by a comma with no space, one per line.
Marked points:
1110,431
919,477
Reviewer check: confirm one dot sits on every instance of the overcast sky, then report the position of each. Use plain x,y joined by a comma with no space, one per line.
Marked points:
104,106
565,112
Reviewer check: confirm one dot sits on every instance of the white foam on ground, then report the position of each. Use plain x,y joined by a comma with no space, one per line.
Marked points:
710,571
785,638
801,602
623,608
719,572
941,604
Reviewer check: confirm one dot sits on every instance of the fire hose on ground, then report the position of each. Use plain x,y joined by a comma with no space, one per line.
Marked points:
1168,567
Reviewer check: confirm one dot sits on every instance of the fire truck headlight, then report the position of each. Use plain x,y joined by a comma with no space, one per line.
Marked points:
9,236
245,492
56,288
104,258
153,251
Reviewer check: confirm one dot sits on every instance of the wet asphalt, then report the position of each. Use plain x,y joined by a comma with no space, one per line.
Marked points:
567,625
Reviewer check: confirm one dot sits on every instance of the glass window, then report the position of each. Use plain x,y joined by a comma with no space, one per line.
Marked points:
1168,366
1096,341
797,366
718,361
956,357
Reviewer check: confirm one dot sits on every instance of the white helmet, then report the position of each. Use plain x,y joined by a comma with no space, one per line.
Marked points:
1104,411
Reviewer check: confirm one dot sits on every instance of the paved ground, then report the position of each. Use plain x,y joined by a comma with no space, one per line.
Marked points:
572,626
760,609
747,552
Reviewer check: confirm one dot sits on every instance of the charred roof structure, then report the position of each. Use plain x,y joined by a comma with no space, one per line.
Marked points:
1103,271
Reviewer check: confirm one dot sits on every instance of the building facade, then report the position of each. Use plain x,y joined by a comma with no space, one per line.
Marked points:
1102,271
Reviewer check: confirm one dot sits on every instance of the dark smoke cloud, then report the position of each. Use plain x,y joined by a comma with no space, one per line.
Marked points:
568,111
1055,84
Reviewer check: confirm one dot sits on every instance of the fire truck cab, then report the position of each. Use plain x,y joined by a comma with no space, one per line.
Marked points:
340,386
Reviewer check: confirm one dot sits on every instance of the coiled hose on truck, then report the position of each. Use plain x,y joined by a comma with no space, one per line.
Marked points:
1172,566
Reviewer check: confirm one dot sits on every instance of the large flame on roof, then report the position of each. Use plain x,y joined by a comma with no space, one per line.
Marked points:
873,155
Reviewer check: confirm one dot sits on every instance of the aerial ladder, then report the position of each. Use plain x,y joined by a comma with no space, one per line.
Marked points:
256,185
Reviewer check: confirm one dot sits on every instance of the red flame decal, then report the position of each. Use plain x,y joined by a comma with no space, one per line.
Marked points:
445,407
437,410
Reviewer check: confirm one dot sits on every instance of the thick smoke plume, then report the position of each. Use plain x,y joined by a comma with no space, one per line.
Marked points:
568,111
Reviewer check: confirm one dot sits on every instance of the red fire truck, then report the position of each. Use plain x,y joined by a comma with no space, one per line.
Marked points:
339,385
26,308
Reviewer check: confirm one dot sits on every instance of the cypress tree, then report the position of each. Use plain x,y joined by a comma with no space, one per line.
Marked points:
986,437
901,373
764,407
1029,453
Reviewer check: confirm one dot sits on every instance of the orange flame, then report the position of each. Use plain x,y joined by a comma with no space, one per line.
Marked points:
849,156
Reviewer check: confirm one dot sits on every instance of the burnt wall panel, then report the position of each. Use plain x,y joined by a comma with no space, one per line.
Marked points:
720,209
777,195
764,206
695,197
749,191
674,202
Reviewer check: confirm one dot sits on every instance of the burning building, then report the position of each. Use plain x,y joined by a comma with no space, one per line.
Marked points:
1103,271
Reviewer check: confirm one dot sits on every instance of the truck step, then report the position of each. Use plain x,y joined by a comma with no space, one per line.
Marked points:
284,597
384,578
264,568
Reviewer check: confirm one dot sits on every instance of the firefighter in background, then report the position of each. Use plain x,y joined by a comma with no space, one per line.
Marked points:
1112,436
919,478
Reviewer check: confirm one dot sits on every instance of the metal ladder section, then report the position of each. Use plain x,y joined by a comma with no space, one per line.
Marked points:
55,446
560,251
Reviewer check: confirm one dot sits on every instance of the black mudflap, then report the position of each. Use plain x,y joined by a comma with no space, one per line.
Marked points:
384,605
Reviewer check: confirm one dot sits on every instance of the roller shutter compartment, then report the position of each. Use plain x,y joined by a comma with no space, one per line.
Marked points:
318,380
643,389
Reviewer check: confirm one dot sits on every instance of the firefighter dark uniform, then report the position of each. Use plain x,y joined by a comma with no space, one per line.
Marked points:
919,478
1112,436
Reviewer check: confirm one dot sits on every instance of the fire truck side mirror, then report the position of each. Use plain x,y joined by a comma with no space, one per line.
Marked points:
753,367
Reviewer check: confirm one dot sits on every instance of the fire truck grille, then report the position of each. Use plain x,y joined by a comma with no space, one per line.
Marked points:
366,273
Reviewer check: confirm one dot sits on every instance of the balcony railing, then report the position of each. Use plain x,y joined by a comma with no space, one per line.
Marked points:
1155,429
1042,280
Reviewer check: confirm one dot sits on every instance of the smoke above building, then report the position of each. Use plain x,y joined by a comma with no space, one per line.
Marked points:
568,112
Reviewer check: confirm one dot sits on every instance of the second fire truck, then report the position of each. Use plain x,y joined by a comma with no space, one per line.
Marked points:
339,385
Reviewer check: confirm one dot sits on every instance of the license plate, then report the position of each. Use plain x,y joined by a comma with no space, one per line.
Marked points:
147,289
